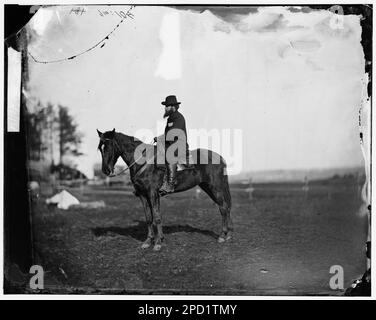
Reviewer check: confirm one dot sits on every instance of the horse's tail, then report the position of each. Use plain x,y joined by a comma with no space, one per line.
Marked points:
226,186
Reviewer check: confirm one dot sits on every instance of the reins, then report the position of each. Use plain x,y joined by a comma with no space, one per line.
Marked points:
128,167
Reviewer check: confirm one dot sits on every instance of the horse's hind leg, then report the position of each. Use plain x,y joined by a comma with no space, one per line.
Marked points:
224,207
149,221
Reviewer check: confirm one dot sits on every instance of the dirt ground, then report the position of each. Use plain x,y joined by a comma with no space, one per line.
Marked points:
285,242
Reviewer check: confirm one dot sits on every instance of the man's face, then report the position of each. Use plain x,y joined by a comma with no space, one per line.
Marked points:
168,111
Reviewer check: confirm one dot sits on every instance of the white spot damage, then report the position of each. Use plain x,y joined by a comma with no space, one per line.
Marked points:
169,66
41,19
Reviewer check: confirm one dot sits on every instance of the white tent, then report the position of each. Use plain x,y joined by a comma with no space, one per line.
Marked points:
63,200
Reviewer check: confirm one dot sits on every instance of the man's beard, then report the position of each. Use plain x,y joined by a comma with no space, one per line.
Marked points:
168,113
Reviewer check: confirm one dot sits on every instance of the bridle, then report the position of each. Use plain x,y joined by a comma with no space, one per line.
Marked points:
128,167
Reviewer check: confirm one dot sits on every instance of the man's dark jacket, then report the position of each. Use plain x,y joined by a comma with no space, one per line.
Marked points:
176,121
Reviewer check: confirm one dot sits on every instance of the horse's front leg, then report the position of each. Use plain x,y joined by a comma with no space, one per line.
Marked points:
149,221
157,220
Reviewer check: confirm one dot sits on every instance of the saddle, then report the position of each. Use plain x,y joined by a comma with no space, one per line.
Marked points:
182,166
190,159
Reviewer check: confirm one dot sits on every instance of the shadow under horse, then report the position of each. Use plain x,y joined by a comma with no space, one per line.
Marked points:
208,172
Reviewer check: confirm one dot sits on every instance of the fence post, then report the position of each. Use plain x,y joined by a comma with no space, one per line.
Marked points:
250,190
305,187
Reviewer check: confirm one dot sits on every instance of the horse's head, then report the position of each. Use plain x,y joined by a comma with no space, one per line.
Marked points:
110,151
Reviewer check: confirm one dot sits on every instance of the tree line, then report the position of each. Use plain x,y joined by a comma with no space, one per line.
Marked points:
51,129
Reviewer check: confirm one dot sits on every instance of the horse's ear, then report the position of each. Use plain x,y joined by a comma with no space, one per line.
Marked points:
99,133
113,130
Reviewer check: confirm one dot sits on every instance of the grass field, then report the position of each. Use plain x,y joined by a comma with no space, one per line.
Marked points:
285,242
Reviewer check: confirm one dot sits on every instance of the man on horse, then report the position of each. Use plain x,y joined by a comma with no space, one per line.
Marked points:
176,146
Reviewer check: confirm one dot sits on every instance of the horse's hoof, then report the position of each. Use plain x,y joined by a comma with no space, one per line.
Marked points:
157,247
145,245
224,237
221,240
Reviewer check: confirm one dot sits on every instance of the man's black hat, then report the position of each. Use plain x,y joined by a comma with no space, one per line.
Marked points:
170,101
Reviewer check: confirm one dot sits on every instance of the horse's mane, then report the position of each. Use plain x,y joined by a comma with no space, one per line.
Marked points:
128,140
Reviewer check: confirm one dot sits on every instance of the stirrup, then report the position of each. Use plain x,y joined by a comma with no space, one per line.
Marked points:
167,188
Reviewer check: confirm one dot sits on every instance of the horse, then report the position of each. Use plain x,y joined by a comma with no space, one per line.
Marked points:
147,178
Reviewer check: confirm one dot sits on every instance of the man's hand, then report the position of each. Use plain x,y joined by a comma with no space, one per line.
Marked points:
159,139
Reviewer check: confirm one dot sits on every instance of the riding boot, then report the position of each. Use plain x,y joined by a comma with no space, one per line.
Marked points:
169,183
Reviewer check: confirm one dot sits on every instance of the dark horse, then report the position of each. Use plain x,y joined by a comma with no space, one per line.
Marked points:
147,178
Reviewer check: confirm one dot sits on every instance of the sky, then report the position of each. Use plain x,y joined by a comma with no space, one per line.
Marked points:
282,86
